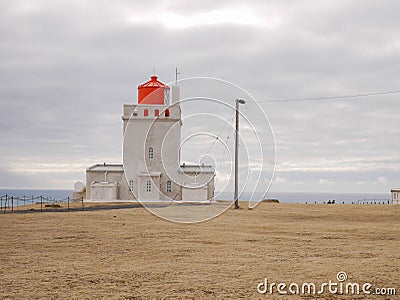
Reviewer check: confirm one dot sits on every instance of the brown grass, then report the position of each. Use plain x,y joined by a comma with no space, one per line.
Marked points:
131,254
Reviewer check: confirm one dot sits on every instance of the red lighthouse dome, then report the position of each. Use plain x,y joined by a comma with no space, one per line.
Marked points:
153,92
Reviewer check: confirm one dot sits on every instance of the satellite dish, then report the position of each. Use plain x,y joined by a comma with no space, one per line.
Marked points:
79,187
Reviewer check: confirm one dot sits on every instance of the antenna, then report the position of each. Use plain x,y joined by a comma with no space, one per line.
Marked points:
176,75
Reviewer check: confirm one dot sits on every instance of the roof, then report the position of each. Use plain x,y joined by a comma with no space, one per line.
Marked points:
102,183
395,190
197,168
106,167
149,174
153,83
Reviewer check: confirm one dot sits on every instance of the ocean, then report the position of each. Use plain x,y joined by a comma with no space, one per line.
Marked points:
49,195
291,197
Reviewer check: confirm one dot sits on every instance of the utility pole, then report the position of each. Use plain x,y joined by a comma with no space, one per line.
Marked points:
236,195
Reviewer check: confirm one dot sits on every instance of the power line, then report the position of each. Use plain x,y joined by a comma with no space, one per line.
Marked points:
332,97
220,133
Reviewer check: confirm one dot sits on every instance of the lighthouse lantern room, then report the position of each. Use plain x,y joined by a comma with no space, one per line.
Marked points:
153,92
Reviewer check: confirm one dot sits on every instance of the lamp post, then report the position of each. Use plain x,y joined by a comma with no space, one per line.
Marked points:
236,195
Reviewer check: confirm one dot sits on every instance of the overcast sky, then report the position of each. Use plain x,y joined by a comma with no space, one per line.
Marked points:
67,67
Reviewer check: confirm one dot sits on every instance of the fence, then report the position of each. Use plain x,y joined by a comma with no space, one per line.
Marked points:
9,203
374,201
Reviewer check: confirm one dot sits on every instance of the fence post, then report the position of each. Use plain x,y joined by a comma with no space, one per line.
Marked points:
12,203
1,203
32,199
41,203
68,203
24,200
5,204
83,207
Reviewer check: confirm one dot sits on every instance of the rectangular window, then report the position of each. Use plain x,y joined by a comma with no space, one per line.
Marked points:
148,186
169,188
131,185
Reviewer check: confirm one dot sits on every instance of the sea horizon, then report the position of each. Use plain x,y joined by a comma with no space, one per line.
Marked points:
286,197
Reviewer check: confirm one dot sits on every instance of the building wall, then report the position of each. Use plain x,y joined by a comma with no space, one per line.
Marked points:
395,197
165,138
163,134
202,179
211,189
112,176
199,194
104,190
154,193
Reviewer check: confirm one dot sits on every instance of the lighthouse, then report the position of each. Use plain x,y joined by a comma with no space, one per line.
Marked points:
152,168
152,134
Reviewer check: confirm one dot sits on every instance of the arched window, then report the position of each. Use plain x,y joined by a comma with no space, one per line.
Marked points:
156,112
151,153
146,112
167,112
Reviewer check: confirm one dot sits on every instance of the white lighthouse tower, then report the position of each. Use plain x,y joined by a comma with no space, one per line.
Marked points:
151,169
152,135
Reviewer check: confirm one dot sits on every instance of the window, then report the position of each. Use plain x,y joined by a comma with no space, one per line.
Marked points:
156,112
146,112
148,186
131,185
151,153
169,188
167,112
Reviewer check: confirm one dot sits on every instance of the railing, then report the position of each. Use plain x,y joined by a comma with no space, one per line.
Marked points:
9,203
374,201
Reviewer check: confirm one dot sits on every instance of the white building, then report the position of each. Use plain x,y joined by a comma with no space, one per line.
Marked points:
152,169
395,196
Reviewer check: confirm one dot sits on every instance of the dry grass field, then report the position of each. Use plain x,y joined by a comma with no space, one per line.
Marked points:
131,254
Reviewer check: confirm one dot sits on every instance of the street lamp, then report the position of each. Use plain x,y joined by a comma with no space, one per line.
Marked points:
237,102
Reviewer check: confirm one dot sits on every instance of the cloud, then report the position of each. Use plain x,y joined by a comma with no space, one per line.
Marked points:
170,19
324,182
382,179
280,180
67,67
10,179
